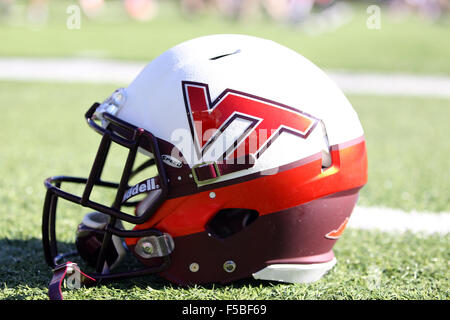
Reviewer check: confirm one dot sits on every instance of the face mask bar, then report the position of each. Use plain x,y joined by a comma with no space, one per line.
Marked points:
132,138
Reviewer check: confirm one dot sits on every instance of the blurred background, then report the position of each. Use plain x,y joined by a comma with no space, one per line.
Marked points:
389,35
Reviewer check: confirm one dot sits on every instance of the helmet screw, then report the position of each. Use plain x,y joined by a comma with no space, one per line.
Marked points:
117,98
194,267
229,266
147,247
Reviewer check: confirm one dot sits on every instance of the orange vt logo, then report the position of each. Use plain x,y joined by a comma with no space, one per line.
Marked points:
335,234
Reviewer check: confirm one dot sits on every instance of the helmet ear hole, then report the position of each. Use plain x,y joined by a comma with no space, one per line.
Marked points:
228,222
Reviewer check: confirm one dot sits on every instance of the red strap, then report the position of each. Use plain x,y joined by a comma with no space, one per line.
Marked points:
206,172
59,273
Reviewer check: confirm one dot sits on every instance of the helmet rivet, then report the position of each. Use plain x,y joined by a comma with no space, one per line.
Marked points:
117,98
147,247
212,195
194,267
229,266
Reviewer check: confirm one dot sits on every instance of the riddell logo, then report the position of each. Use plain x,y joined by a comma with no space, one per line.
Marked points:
147,185
238,124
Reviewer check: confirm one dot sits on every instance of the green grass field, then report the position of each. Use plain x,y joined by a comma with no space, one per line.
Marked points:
37,125
386,267
43,133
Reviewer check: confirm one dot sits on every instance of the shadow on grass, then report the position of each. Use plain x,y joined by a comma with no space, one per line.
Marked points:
22,264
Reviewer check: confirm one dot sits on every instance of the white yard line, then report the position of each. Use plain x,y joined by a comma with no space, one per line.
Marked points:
69,70
392,84
398,221
122,72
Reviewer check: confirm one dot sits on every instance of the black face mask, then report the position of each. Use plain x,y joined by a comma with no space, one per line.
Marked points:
99,235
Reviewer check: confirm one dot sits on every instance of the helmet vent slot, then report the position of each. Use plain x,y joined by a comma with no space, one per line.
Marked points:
225,55
228,222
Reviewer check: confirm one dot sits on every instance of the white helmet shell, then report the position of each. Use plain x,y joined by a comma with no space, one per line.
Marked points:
258,67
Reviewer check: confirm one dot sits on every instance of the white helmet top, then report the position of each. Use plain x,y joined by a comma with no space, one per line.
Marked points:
156,99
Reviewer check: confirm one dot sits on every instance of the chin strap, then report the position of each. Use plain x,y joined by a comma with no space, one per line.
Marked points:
75,279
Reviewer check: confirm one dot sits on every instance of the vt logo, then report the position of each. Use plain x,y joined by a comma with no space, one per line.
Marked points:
238,124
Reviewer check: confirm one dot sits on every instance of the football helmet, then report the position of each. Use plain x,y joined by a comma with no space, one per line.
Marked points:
252,160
